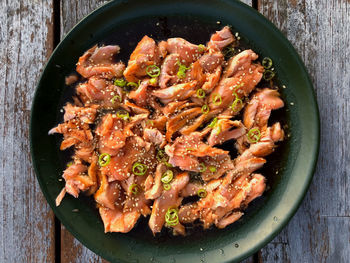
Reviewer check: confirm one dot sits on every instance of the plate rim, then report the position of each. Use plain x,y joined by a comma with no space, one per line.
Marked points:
311,169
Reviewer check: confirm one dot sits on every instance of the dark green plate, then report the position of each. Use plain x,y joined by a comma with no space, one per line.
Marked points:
124,23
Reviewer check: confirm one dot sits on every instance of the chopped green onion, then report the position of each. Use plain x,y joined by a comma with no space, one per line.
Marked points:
166,187
167,177
267,63
153,81
254,135
217,100
212,168
200,93
201,48
161,156
104,159
134,189
69,164
133,84
123,114
120,82
182,70
172,217
139,168
202,167
268,75
213,123
153,71
116,97
205,109
202,193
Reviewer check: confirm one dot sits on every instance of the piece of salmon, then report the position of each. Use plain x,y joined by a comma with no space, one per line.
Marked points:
221,39
186,149
176,92
168,199
225,130
180,120
118,221
187,51
145,54
154,136
140,95
156,188
111,134
168,72
239,79
74,132
134,150
258,111
76,181
99,61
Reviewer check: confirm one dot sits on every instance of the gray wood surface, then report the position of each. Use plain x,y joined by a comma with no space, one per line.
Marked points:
26,222
320,31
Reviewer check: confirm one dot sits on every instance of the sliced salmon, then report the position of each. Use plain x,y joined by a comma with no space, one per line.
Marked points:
168,199
258,111
225,130
176,92
145,54
187,51
221,39
99,61
135,150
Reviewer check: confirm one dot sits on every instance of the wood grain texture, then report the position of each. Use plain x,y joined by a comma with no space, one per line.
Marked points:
26,229
71,12
320,32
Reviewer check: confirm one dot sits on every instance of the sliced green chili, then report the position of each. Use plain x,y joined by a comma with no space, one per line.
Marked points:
200,93
202,167
153,81
217,100
134,189
153,71
213,123
205,109
167,177
123,114
139,168
172,217
212,168
116,97
254,135
104,159
267,63
268,75
120,82
202,193
166,187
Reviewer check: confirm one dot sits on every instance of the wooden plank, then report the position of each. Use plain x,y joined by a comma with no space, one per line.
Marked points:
71,12
27,223
320,32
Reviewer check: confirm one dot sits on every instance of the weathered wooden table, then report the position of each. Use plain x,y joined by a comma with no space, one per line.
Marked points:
319,30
